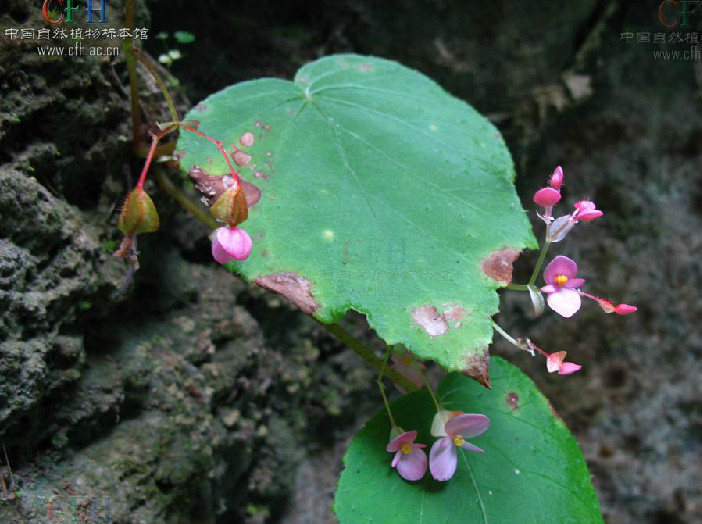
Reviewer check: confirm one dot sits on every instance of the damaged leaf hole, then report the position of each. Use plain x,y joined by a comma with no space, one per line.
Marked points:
436,324
512,400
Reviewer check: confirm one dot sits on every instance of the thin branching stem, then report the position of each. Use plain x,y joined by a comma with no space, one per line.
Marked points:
161,84
539,263
430,390
381,387
366,354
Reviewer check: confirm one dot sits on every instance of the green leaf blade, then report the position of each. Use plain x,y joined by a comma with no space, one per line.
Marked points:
532,471
380,190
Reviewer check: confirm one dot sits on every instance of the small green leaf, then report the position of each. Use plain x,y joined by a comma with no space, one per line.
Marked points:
184,37
532,471
162,36
379,192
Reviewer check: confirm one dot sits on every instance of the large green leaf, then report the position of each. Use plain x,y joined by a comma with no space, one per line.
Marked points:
380,192
532,471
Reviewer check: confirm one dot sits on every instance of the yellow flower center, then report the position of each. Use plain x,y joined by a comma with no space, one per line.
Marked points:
561,279
406,449
458,440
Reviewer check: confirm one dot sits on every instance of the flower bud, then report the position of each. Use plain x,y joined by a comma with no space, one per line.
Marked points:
556,178
230,243
138,214
625,309
586,211
230,207
537,300
547,197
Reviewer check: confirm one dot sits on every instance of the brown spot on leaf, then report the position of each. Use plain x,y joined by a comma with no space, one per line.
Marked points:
477,368
436,324
498,265
512,400
251,192
454,313
211,186
291,286
247,139
241,158
365,68
429,319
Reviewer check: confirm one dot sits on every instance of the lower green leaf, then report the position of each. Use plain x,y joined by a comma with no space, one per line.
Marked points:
532,471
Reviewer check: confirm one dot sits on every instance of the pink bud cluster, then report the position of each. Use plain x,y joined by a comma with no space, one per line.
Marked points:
548,197
562,284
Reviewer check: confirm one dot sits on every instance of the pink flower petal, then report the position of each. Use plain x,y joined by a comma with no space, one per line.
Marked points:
405,438
396,459
547,197
574,283
412,466
472,447
589,216
468,425
565,302
586,211
549,289
568,368
219,253
554,361
438,424
584,205
625,309
231,243
443,459
560,266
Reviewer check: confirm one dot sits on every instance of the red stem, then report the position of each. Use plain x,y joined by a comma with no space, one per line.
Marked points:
537,348
155,139
220,146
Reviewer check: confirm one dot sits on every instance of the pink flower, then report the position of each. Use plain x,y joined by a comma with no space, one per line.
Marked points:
230,243
547,197
443,457
406,365
586,211
554,362
560,276
556,178
410,460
